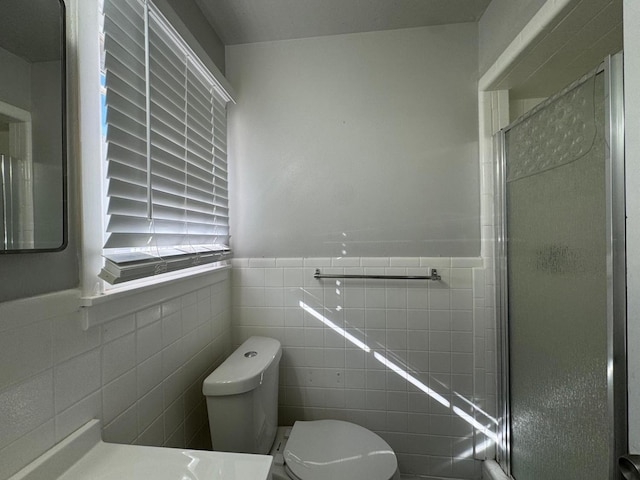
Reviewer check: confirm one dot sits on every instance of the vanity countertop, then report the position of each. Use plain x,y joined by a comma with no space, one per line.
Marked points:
84,456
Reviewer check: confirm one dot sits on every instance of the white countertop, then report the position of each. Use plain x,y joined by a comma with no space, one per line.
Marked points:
84,456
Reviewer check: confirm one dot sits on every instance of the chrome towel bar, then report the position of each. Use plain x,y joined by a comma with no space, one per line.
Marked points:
433,276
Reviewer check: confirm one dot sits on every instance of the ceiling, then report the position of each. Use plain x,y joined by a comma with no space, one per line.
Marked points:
249,21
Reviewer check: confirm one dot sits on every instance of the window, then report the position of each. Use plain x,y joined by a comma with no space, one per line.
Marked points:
165,148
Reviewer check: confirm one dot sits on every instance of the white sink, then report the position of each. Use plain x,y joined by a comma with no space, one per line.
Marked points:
84,456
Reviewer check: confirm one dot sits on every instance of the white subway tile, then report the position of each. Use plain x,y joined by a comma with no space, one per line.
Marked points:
24,352
376,379
317,262
148,315
418,340
396,298
466,262
313,337
461,278
375,318
417,298
122,429
248,277
76,379
27,448
439,362
173,387
461,299
396,340
345,261
293,277
273,277
334,358
439,299
149,374
204,311
26,406
77,415
439,341
69,339
153,436
396,319
171,307
462,321
174,415
148,341
239,262
435,262
376,400
440,320
273,297
375,298
375,261
171,328
118,396
404,262
462,342
176,439
314,357
417,319
118,357
262,262
289,262
250,296
118,328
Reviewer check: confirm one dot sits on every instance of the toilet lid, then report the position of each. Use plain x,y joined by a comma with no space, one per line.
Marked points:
330,449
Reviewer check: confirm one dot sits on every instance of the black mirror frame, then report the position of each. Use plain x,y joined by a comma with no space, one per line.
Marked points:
64,143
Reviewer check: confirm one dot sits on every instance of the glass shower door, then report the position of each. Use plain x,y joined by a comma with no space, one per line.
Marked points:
558,253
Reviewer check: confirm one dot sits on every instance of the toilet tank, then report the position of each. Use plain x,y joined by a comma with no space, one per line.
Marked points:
242,398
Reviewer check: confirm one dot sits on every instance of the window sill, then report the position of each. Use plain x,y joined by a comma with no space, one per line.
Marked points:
139,294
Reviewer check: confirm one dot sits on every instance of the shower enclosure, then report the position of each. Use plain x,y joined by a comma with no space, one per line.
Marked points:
561,275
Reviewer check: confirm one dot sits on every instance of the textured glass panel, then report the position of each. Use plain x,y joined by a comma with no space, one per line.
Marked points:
558,290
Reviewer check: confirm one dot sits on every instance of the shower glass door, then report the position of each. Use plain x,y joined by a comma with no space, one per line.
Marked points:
558,267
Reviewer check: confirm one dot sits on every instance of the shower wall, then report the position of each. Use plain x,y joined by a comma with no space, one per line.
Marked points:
423,383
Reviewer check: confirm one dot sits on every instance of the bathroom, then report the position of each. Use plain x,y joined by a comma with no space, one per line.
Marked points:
324,197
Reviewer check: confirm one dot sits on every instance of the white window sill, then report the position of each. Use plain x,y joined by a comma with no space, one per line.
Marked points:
139,294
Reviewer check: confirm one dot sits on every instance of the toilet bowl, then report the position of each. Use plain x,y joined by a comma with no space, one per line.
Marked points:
242,404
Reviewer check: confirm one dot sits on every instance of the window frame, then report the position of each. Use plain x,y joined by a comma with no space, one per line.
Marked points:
93,195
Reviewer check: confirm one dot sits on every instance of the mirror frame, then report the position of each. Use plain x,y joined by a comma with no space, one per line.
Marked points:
64,143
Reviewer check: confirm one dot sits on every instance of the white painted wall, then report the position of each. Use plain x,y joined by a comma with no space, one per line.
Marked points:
632,159
356,145
501,22
15,80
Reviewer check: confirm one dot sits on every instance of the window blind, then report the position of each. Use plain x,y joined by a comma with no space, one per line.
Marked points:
166,148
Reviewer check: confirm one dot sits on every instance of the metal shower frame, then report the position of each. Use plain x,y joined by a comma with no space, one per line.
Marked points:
615,269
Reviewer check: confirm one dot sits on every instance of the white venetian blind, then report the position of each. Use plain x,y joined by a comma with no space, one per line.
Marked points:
165,148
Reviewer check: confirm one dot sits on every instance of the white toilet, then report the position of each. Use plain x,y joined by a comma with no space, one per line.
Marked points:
242,401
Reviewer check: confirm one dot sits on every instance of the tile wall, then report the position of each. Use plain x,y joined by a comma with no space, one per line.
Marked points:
403,358
140,373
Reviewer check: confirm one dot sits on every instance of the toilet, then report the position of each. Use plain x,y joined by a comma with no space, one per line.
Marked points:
242,403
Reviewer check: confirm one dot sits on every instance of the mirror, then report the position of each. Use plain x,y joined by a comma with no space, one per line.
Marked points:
33,206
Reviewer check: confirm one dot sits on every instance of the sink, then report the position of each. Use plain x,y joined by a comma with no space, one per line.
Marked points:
83,455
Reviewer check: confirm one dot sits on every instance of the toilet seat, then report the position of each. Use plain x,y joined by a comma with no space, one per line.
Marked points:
329,449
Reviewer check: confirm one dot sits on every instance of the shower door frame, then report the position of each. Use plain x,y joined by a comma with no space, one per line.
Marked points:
615,269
